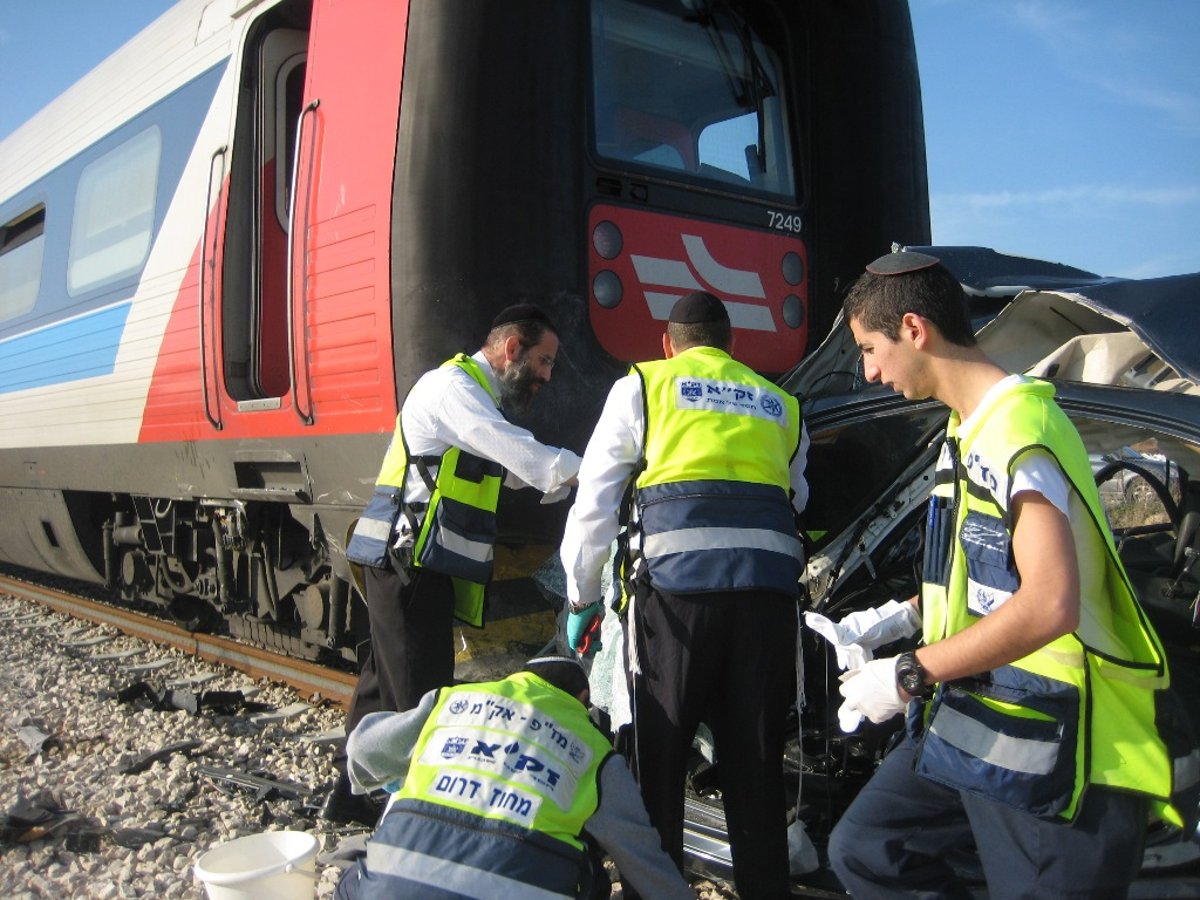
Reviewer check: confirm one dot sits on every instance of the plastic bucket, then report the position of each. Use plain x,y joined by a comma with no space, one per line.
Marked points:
273,865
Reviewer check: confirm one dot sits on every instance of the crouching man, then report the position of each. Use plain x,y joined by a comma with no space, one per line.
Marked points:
493,785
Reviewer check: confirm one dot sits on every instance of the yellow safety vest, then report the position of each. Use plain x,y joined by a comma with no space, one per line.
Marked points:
1081,710
502,781
713,498
456,531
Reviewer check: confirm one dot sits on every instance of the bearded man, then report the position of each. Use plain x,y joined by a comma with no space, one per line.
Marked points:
426,539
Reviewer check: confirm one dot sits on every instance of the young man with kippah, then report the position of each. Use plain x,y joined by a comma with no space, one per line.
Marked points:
426,539
713,458
1031,706
493,785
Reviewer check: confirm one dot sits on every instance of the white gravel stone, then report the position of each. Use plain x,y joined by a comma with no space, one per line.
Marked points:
70,696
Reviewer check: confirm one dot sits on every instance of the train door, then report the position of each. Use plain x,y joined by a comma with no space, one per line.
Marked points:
254,309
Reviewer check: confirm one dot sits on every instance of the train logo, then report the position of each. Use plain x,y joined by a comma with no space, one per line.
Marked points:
701,272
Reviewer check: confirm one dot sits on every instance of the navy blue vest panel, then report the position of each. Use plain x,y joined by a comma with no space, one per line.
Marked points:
427,850
704,536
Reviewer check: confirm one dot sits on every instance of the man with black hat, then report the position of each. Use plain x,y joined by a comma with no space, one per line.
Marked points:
701,462
493,786
1031,725
425,541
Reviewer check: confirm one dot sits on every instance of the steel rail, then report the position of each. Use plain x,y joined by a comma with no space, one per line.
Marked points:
306,677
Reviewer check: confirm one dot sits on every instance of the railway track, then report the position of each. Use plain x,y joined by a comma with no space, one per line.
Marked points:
305,677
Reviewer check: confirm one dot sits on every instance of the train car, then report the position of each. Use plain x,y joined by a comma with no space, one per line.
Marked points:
227,252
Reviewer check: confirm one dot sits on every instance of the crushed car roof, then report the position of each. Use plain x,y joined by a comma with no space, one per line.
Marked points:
1040,306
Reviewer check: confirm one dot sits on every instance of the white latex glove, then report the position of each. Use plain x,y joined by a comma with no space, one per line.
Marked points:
872,692
854,636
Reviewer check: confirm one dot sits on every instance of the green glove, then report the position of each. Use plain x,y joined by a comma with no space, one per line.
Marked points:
583,628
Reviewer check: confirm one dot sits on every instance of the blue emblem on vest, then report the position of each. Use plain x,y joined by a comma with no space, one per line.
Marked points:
453,747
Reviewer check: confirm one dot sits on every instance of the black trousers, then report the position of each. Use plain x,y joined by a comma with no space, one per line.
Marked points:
725,659
412,641
893,839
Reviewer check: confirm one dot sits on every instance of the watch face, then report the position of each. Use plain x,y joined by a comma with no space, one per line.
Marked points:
908,675
912,682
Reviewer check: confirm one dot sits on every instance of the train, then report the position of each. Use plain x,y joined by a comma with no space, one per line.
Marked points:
228,251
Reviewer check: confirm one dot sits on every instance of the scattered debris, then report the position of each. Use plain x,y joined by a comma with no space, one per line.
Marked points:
166,699
263,788
141,764
33,818
35,739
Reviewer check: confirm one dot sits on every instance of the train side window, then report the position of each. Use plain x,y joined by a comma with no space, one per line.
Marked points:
113,221
22,241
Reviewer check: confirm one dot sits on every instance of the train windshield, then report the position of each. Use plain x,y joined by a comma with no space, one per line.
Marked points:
687,90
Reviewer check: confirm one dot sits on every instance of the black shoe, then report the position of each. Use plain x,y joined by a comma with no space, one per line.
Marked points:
344,807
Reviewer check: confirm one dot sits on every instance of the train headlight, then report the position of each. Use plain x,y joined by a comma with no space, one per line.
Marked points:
793,268
607,240
607,289
793,311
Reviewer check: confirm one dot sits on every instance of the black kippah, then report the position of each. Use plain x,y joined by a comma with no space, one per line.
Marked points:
698,307
521,312
901,262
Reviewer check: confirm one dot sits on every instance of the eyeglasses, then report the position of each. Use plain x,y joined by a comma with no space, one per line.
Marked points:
546,360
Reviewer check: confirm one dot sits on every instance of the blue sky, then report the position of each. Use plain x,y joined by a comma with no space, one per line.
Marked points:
1066,130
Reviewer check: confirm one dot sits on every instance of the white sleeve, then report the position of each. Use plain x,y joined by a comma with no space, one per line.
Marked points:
471,421
379,749
1038,472
608,463
621,826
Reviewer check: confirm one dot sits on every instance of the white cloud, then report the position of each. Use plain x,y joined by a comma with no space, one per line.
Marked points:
1102,228
1115,56
1051,22
1180,107
1108,195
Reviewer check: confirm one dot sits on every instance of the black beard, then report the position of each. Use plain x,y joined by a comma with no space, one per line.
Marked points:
516,386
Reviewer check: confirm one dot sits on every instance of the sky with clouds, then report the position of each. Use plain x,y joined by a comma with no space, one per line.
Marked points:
1066,130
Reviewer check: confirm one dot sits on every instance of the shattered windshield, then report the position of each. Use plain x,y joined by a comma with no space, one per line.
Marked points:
687,90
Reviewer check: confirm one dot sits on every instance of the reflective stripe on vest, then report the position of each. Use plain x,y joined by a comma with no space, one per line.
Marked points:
1081,710
420,846
373,531
503,779
456,533
711,518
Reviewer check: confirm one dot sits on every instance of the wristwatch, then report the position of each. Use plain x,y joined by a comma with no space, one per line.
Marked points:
910,676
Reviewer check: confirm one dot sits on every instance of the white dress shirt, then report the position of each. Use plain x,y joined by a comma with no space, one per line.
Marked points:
447,408
608,462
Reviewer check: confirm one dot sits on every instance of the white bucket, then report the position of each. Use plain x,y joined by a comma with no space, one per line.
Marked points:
272,865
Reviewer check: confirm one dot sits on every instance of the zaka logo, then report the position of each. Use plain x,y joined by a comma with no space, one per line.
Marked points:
771,405
691,390
701,272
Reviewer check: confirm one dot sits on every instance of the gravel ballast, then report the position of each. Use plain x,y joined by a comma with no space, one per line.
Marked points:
109,834
103,790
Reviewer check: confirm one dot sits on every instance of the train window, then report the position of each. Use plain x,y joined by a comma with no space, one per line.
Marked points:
22,241
289,99
687,89
114,213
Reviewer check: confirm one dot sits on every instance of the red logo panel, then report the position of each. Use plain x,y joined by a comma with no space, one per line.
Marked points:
640,263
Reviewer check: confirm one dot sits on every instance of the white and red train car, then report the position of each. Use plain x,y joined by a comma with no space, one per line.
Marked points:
227,252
